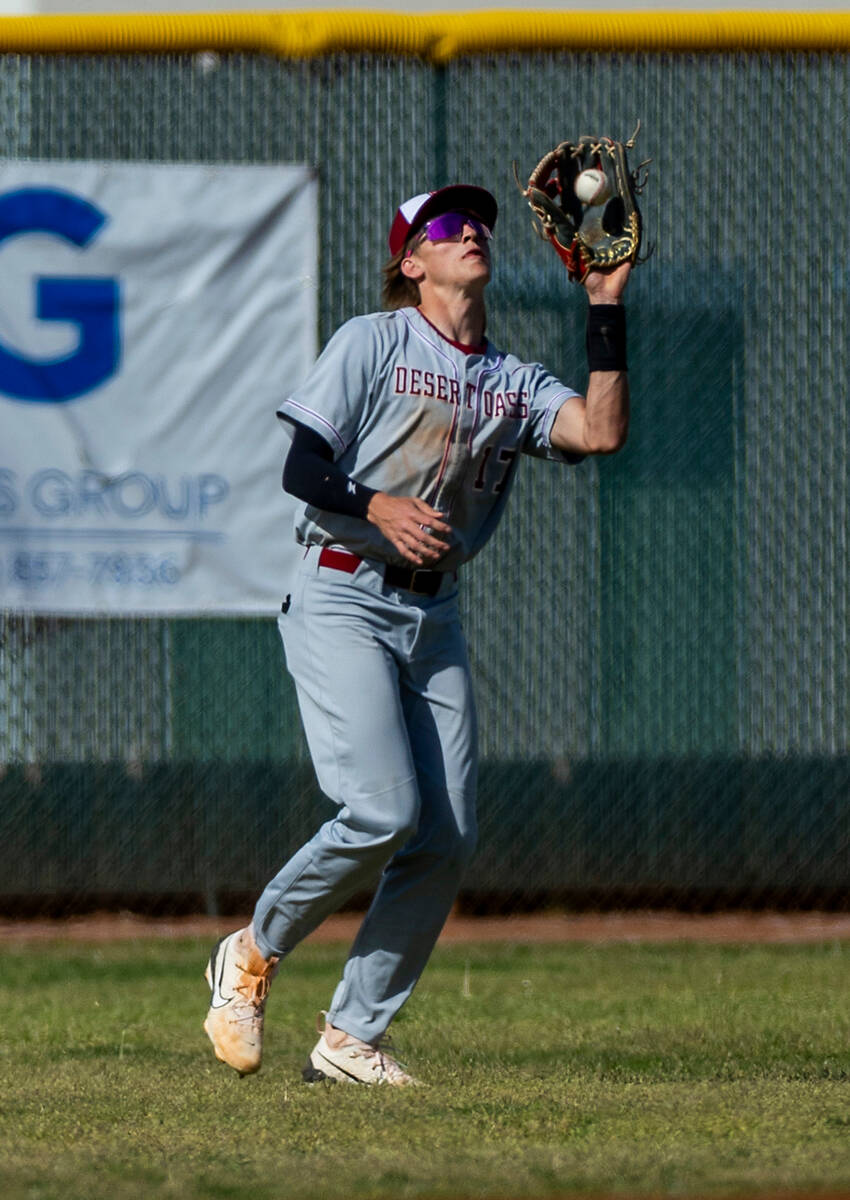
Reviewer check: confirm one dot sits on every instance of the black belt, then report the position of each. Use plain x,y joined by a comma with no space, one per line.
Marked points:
421,583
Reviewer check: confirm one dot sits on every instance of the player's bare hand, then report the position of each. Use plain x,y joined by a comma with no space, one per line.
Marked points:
606,286
417,530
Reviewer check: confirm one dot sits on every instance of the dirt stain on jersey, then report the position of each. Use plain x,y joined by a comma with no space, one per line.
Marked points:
414,464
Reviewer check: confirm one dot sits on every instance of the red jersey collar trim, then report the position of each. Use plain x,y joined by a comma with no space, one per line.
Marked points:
481,348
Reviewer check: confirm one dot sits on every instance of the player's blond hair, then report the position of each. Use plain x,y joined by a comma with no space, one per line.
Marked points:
399,291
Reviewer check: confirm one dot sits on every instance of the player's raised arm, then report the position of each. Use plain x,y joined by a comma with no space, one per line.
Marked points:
598,422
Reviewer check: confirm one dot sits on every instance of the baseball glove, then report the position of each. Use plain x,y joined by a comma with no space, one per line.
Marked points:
584,200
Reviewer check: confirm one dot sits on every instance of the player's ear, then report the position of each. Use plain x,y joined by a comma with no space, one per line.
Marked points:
411,268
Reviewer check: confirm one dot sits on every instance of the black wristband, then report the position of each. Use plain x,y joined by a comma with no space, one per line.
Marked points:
606,337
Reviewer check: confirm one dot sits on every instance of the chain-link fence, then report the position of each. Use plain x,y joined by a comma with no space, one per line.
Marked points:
660,639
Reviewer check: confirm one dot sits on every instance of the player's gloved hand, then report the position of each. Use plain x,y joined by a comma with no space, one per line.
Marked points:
584,197
417,530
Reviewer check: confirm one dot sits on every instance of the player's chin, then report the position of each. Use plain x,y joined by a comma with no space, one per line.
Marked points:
478,265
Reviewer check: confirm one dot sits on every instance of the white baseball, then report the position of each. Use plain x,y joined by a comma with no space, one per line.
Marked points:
591,186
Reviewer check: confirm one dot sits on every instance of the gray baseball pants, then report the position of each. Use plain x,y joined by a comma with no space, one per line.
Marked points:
384,689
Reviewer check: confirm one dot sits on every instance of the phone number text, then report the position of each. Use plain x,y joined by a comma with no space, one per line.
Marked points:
52,568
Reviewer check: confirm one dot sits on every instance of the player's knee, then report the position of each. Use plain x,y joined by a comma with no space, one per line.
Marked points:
386,826
399,835
400,820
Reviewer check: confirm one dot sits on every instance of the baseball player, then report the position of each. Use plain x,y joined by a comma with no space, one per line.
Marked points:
405,440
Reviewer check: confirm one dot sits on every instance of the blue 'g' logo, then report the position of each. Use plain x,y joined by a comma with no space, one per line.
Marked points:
92,304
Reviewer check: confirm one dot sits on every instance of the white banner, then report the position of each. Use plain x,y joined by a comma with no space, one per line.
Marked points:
152,317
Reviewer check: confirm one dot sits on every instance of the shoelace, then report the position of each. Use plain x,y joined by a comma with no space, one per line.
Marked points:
391,1068
384,1063
255,992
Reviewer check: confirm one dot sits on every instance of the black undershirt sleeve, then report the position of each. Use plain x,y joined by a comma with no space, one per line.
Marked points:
311,474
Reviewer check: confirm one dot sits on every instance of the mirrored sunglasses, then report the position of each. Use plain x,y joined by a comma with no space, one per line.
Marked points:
449,227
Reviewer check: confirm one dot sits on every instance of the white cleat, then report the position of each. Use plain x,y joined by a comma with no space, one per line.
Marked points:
354,1062
239,978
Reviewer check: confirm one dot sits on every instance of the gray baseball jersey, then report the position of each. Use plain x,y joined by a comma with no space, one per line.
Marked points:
410,413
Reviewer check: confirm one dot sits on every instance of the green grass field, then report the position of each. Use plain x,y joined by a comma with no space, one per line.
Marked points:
639,1069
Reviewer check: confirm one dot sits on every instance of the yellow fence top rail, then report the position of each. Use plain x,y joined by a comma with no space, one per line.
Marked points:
435,37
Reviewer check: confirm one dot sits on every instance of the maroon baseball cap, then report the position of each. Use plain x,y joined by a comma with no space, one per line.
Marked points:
413,214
